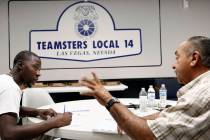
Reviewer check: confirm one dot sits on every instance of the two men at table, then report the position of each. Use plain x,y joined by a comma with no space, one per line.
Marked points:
26,70
189,118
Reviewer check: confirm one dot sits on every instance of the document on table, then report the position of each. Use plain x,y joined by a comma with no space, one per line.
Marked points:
109,125
106,126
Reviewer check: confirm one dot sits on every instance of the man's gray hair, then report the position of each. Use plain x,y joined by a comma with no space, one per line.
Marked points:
202,44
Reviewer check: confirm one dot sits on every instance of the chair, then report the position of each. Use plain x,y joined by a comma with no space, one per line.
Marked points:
36,97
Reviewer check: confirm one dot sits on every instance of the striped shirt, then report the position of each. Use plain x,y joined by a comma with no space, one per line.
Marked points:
189,119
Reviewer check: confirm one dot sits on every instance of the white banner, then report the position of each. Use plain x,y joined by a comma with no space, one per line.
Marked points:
85,32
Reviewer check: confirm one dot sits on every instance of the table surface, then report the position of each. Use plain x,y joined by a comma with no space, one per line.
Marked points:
90,120
82,88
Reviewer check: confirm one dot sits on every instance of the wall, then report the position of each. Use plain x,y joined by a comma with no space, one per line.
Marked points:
177,24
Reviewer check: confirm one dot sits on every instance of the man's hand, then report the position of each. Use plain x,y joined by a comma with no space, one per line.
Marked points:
119,130
61,120
98,90
46,113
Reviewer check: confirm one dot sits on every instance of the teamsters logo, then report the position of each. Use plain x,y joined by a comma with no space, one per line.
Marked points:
86,17
85,32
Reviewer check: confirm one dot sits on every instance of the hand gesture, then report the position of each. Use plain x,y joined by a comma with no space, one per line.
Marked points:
98,90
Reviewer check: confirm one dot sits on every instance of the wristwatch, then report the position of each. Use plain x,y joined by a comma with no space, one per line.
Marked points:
110,103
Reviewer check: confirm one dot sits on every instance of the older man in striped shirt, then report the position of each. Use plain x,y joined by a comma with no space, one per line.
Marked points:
189,118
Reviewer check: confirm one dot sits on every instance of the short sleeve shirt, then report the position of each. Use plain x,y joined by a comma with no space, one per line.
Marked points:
189,119
10,95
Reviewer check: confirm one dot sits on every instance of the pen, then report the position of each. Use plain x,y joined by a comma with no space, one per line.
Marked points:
64,108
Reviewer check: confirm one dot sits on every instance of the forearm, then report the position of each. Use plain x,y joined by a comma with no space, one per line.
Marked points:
27,111
136,127
30,131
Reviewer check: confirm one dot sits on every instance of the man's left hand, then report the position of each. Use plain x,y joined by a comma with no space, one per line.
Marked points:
46,113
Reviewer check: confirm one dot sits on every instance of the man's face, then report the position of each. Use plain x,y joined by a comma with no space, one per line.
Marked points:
182,65
31,70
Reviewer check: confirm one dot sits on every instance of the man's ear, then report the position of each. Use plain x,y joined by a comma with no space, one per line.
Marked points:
20,65
196,57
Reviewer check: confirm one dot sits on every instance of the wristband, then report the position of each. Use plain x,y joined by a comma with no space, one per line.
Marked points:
111,102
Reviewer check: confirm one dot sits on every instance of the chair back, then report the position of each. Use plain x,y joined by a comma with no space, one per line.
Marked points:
36,97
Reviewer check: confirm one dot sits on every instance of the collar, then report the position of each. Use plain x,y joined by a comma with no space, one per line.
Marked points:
203,78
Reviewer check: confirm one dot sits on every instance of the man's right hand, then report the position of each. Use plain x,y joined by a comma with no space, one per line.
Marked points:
62,119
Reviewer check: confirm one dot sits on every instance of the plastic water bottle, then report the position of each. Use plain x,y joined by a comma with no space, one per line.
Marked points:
163,96
143,100
151,96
